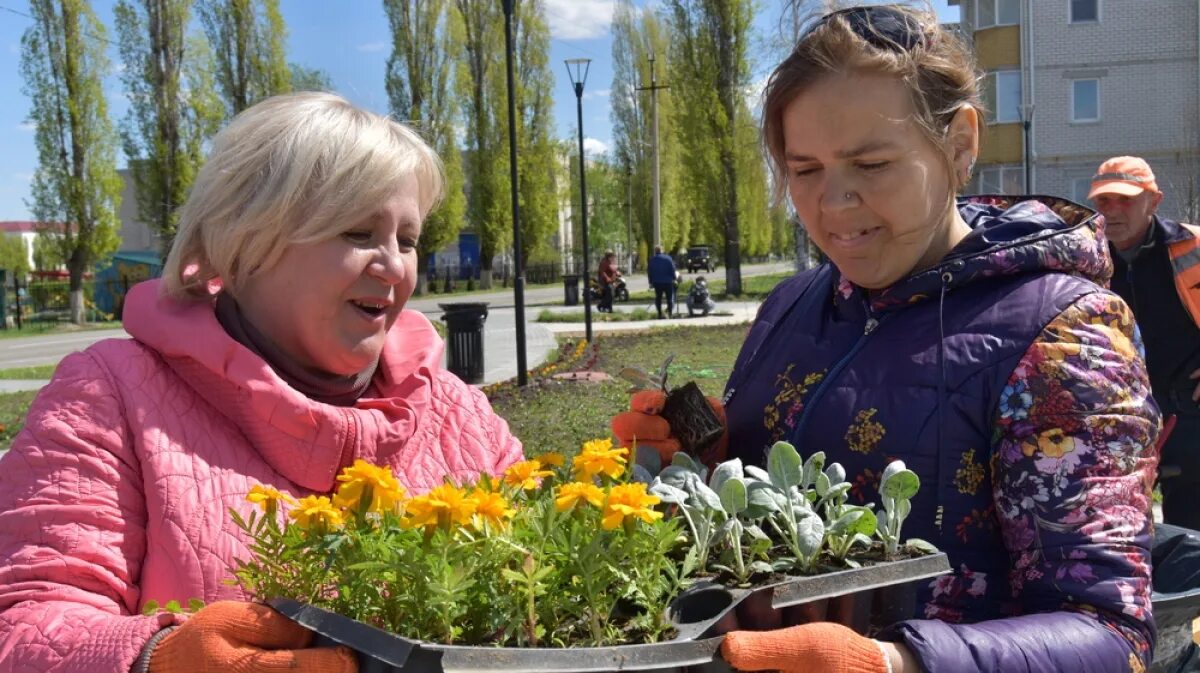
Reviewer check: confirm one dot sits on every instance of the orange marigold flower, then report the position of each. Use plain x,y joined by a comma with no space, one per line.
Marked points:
445,506
491,508
363,479
599,457
526,474
553,459
316,511
629,501
569,495
268,497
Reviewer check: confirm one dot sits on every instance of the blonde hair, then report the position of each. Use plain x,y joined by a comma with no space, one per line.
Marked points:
292,169
938,70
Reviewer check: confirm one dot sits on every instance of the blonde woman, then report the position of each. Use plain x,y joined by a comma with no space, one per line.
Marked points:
275,350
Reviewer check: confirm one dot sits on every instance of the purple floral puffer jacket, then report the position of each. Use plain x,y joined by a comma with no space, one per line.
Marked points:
1015,387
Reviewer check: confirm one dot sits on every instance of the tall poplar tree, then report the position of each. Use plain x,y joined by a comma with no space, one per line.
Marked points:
173,107
420,90
76,190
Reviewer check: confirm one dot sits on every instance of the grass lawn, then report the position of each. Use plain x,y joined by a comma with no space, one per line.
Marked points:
560,416
640,313
753,287
12,414
39,328
38,372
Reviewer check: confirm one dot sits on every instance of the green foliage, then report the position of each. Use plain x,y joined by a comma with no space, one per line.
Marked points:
14,256
420,89
247,38
638,35
152,607
308,79
76,186
488,563
173,107
710,40
791,517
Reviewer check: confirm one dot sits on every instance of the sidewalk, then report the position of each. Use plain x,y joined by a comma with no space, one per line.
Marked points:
739,312
500,350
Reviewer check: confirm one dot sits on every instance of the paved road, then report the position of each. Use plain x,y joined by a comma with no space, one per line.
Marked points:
500,351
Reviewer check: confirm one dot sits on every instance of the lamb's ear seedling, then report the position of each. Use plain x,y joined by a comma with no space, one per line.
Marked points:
693,422
897,488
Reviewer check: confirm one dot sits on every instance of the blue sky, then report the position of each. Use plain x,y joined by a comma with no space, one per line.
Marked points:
350,41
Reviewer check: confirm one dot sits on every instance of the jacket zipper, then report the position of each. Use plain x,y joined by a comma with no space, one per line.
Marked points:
868,328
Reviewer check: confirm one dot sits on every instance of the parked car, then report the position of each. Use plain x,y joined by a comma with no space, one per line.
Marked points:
699,259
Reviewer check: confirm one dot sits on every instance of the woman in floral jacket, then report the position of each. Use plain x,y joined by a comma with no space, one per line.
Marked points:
972,339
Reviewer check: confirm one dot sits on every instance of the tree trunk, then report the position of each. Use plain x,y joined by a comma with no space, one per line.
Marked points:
76,292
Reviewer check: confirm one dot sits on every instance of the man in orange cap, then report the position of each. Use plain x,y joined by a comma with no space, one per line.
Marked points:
1156,269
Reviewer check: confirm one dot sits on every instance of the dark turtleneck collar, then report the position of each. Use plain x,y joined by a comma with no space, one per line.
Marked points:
342,391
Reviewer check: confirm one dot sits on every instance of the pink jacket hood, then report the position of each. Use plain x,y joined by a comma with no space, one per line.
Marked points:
118,489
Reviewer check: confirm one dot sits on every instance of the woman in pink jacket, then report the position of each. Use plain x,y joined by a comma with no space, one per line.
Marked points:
275,350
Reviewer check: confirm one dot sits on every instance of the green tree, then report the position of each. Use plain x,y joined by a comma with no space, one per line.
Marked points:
536,168
481,55
173,107
420,90
308,79
709,46
14,256
76,186
637,36
248,38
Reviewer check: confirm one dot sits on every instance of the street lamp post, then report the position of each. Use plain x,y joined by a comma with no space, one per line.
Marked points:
518,263
577,68
1026,124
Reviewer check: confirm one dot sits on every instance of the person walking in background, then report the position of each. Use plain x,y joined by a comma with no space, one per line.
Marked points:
1156,270
607,275
661,272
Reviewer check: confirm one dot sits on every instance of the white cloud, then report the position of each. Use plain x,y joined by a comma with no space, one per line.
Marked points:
579,19
601,93
27,127
593,147
373,46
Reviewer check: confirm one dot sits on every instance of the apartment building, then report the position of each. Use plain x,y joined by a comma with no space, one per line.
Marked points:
1071,82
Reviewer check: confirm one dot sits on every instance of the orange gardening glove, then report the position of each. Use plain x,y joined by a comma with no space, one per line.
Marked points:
237,637
643,425
820,646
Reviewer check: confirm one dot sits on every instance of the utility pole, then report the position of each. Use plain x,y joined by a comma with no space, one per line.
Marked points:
518,263
653,89
629,216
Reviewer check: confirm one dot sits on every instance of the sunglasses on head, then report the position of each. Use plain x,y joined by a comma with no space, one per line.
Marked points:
883,26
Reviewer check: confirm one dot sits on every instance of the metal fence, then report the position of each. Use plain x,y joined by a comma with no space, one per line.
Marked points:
50,301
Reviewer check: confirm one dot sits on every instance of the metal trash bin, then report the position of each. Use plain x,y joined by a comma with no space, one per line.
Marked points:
464,339
570,290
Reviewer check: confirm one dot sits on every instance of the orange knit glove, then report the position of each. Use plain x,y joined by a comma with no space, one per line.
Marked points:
642,424
236,637
820,646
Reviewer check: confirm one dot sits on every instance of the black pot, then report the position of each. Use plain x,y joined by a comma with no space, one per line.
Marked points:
702,615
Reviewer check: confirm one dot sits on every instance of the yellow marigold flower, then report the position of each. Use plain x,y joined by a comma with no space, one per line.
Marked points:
628,501
491,507
526,474
570,494
363,478
599,457
553,459
266,497
444,506
316,511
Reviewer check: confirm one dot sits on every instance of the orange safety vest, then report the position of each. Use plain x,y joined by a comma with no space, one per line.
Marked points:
1185,263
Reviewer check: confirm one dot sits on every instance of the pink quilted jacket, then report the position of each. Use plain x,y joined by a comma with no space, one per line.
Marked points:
117,491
